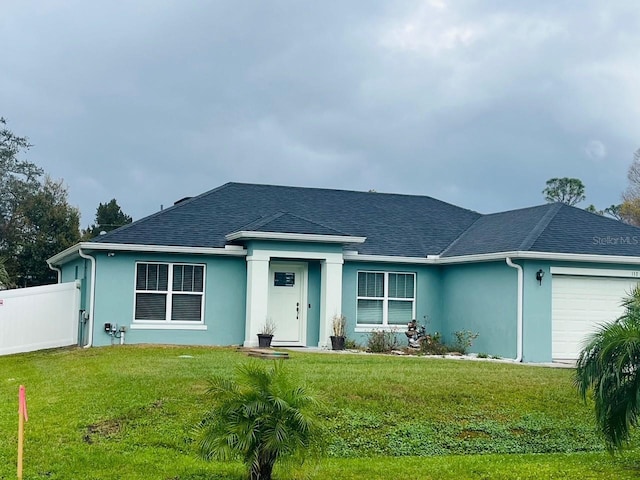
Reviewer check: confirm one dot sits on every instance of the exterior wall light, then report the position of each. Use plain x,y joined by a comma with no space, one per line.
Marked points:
539,275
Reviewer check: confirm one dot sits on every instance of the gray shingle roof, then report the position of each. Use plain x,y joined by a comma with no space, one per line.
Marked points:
551,228
573,230
515,230
402,225
395,225
283,222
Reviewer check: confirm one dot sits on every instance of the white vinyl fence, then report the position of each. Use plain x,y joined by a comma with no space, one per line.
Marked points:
39,317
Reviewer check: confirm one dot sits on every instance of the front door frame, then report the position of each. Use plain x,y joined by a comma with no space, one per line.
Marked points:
302,284
258,286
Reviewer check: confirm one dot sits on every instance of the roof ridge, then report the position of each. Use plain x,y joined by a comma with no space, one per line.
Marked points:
267,219
260,221
317,223
462,234
540,227
359,192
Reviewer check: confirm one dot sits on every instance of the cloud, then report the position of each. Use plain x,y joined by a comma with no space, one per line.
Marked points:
151,101
595,150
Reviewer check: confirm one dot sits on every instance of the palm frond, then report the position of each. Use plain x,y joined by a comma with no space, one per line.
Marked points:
260,416
608,368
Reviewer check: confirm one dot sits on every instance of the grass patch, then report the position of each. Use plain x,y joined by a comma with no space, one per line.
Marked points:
127,412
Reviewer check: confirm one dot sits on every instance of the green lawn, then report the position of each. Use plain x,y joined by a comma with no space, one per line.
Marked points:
127,413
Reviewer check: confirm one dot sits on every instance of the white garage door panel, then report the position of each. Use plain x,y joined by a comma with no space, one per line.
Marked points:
580,305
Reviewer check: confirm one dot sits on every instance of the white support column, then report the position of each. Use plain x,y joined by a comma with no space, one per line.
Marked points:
330,297
257,297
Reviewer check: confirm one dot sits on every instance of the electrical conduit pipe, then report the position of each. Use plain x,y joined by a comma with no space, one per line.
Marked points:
92,294
519,311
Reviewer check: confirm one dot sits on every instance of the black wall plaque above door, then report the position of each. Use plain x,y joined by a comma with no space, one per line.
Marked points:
284,279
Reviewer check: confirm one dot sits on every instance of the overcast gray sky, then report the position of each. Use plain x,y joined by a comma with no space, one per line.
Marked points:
476,103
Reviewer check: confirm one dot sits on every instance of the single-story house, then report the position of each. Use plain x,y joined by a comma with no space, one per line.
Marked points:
212,269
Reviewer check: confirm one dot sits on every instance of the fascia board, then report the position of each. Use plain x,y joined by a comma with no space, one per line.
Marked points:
388,259
130,247
432,260
568,257
492,257
293,237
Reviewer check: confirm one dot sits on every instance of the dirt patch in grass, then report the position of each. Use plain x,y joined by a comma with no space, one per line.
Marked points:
113,426
105,429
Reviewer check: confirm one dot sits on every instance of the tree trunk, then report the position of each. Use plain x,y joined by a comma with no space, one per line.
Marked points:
263,470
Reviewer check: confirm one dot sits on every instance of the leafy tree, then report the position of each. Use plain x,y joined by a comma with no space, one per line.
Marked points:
18,179
109,216
630,209
261,418
50,225
592,208
614,211
608,367
565,190
4,276
36,220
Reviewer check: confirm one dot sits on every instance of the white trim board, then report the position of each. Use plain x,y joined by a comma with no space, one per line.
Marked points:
293,237
130,247
595,272
166,326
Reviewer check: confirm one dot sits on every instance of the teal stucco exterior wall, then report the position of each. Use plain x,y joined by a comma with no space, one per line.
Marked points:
428,293
482,298
79,269
224,307
536,312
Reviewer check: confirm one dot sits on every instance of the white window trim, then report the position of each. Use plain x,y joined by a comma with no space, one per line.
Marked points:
167,323
384,326
151,325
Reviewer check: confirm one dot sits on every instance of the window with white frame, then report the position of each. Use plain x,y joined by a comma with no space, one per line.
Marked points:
169,292
385,298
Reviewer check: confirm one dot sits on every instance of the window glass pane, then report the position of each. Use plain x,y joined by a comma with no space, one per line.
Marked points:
400,312
177,277
198,278
393,284
141,276
370,284
152,276
186,308
187,279
370,312
151,306
400,285
163,277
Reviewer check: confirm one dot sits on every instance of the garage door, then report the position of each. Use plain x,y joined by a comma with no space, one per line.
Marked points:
579,305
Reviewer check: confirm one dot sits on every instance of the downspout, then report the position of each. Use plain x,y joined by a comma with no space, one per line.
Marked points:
92,294
56,269
519,312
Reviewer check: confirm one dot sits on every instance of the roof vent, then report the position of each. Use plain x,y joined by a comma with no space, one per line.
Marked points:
184,199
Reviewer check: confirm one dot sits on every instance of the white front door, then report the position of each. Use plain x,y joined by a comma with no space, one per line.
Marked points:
288,302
